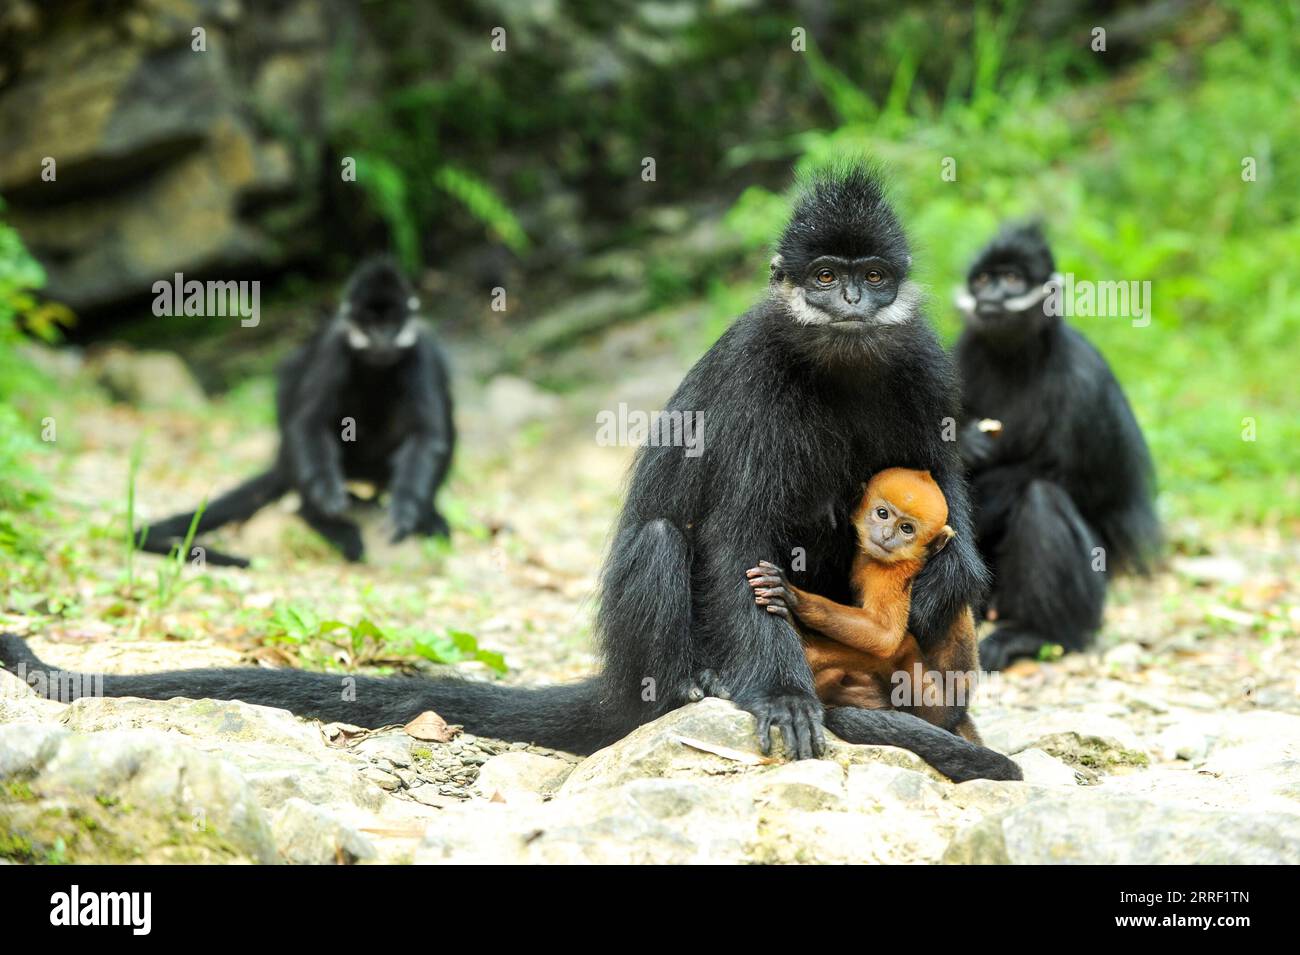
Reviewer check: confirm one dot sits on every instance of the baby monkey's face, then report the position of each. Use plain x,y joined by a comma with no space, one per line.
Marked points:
890,533
903,516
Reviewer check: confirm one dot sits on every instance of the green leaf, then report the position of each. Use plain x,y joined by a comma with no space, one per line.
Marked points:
483,204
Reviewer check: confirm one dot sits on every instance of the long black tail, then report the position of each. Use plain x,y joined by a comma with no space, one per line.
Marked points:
238,504
567,717
574,717
953,756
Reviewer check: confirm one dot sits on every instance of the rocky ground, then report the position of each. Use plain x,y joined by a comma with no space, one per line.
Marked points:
205,781
1178,741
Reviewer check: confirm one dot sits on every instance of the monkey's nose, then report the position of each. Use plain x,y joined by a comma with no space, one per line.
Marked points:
852,294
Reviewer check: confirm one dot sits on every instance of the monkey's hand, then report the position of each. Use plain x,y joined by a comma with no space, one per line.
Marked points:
404,517
797,715
771,590
977,444
328,495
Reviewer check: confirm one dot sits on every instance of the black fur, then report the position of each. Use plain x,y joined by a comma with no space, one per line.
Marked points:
796,418
1021,245
1069,472
565,716
400,400
570,717
842,211
960,760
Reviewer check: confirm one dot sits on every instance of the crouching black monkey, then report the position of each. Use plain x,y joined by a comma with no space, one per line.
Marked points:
834,376
366,399
1063,488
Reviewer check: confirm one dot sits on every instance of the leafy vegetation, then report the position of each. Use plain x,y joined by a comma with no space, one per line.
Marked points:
22,313
325,644
1140,181
1134,158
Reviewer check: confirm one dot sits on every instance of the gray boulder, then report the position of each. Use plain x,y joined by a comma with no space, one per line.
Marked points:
1094,829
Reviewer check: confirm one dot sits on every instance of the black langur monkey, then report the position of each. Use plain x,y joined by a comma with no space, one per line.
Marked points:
366,399
833,376
1066,472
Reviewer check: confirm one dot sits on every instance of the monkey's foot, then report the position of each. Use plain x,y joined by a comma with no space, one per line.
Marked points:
353,551
436,526
707,684
1004,645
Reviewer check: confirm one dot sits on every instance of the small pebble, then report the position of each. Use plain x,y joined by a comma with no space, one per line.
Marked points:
385,781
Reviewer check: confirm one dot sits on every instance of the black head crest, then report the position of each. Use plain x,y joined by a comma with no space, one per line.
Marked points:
378,285
842,210
1018,243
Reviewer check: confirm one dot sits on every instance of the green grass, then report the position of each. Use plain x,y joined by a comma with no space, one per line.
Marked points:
320,644
1137,172
1140,179
170,581
22,412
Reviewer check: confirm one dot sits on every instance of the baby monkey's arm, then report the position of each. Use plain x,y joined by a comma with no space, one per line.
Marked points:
877,630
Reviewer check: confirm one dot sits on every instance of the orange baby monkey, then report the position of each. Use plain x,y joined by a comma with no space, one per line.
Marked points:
859,654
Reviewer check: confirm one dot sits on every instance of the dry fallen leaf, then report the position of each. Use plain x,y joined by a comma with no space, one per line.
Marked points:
726,752
1239,617
430,727
273,657
343,734
395,833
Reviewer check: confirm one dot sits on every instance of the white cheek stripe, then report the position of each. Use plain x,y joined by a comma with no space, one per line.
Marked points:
804,313
965,301
356,337
409,333
903,308
1030,299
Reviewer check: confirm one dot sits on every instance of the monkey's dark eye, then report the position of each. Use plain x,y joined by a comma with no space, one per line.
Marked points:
825,276
907,529
980,280
1013,280
875,276
882,513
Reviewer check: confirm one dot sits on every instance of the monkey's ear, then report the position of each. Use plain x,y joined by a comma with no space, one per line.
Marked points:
778,273
939,541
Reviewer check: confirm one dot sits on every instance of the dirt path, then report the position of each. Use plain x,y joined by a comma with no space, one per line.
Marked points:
1195,662
533,497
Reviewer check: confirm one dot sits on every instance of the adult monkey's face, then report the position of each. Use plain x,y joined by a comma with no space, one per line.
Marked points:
380,315
995,284
842,264
1008,283
849,291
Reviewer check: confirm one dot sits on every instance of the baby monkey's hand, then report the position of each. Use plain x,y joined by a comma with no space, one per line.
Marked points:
771,590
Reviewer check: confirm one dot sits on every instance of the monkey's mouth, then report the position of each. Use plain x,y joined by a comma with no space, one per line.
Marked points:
875,551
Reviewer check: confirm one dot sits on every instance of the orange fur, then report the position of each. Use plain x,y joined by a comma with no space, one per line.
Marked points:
856,651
